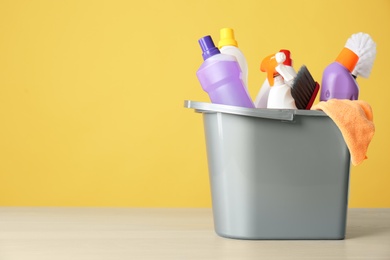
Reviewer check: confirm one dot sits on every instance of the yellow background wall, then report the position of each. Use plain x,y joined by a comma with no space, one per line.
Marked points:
91,93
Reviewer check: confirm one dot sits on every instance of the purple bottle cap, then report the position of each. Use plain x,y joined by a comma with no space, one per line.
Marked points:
208,47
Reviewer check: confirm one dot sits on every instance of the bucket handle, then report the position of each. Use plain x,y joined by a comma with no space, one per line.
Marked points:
276,114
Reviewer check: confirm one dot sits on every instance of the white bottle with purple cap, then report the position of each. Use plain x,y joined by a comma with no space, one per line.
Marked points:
221,77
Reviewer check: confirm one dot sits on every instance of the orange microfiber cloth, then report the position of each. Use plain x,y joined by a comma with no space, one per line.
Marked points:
355,121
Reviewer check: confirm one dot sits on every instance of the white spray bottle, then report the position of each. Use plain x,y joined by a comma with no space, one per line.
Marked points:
261,100
280,81
228,45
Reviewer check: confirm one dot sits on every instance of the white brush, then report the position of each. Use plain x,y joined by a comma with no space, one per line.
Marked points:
364,47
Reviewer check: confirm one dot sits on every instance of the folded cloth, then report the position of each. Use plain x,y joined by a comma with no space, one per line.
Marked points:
355,121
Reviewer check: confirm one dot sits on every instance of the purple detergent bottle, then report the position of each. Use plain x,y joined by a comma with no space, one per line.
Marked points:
357,58
337,80
220,76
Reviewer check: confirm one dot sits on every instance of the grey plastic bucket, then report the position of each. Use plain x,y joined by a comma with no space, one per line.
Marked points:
275,174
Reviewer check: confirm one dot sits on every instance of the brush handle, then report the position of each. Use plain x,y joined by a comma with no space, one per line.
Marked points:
313,97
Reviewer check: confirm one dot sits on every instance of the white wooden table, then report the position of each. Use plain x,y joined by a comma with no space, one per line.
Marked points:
137,233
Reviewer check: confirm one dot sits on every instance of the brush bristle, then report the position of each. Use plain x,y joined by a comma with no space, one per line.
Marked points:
364,47
304,89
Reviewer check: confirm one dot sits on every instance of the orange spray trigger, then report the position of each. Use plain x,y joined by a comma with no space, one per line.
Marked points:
268,65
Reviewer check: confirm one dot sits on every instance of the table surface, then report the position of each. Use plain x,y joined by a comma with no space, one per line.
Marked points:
161,233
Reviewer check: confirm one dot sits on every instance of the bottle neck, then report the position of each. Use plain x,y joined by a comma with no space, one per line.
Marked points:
278,80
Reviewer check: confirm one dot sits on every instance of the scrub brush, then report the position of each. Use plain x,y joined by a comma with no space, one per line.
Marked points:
365,48
304,89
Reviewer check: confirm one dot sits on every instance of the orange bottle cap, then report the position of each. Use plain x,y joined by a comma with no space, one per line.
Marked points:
348,59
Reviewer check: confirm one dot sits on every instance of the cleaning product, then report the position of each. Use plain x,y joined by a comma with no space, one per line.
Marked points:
261,100
280,92
262,97
220,76
338,80
228,45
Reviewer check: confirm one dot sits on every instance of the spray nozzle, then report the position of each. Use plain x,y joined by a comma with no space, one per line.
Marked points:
280,58
276,64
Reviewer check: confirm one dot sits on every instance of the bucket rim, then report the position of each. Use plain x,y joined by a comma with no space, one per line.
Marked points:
277,114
